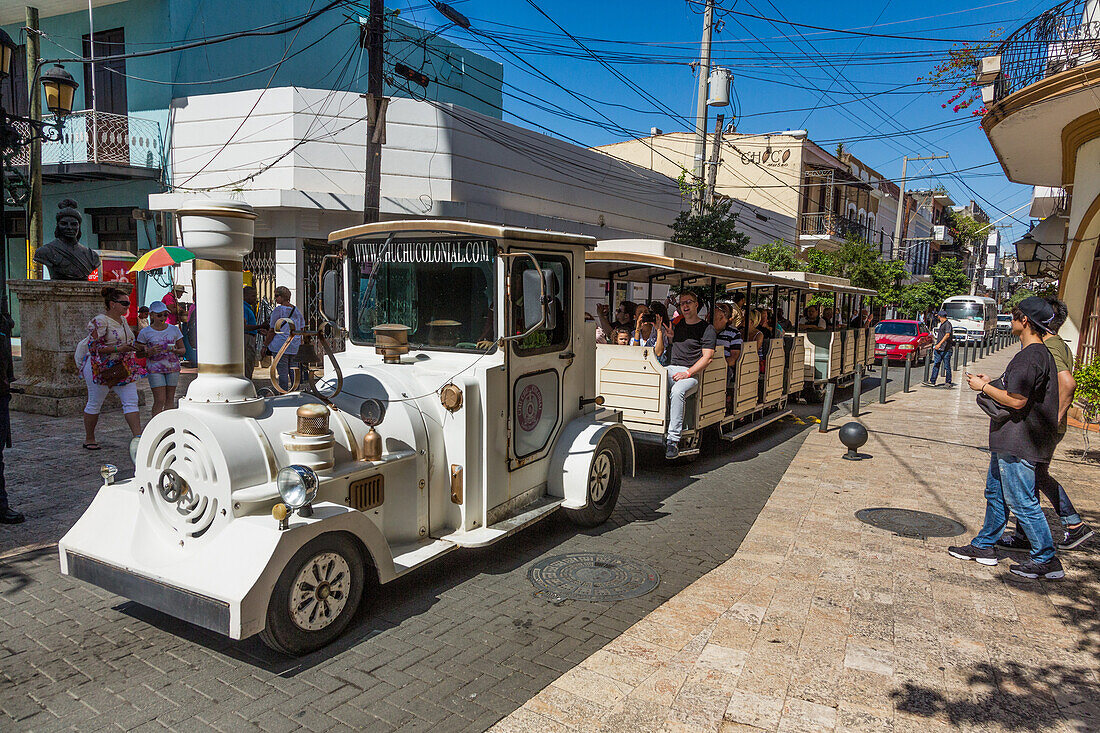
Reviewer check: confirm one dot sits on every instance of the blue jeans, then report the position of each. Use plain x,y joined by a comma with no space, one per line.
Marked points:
288,362
677,401
941,357
1010,486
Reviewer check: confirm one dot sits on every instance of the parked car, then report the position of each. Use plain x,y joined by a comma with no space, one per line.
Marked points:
1004,323
899,338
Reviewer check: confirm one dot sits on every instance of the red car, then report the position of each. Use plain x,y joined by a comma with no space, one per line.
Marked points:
898,339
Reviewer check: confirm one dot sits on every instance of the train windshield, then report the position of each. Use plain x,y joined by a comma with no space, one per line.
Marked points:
959,311
442,289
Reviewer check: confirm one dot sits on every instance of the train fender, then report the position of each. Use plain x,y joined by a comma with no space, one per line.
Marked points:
327,518
573,454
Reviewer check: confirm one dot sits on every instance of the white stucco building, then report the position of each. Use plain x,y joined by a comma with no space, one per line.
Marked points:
297,156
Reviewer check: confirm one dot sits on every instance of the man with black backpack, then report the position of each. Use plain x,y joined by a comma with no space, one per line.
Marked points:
1023,427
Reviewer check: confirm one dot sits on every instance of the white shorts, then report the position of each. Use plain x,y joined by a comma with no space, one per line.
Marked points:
98,392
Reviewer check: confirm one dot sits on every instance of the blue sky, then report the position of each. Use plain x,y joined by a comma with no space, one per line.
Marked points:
785,77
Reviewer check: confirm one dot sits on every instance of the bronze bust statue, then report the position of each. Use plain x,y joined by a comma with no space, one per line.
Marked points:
66,257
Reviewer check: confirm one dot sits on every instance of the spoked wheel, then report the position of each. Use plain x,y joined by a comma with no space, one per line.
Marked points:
605,477
315,597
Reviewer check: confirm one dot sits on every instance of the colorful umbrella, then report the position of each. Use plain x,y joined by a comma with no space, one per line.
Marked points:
162,257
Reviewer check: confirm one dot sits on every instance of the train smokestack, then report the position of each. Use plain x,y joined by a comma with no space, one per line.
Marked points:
220,234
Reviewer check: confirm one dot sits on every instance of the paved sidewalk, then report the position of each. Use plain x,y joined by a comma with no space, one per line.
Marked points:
820,622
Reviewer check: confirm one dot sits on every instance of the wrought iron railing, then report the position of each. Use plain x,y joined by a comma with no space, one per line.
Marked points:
825,223
103,138
1064,37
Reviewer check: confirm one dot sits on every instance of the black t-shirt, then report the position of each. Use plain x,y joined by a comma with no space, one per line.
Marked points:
1032,432
944,329
689,340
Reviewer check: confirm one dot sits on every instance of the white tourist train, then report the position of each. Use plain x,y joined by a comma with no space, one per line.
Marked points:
464,408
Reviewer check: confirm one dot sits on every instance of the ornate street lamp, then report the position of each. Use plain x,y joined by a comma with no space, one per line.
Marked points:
60,87
7,50
1026,247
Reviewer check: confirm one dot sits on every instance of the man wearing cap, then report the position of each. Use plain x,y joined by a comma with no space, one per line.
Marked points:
941,352
1075,531
1023,430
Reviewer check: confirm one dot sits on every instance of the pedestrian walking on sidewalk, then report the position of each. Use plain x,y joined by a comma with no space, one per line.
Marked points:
941,352
1023,425
1075,531
162,346
110,364
7,514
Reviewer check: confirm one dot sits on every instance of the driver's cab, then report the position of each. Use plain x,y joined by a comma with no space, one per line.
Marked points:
493,315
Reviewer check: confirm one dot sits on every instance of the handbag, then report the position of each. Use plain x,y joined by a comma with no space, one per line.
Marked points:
118,372
998,413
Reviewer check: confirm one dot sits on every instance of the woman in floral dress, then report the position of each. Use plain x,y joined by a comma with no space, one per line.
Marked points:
110,342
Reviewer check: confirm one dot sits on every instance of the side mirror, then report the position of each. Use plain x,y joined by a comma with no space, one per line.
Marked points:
536,309
330,296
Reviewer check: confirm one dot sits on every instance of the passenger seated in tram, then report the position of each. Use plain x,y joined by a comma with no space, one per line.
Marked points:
624,316
692,345
728,337
753,332
860,320
620,336
811,320
648,330
829,314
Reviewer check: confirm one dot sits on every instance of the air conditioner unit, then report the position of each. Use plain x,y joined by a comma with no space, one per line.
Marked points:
989,95
989,68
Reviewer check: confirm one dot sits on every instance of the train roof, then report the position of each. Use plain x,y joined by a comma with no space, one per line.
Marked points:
454,226
814,281
639,260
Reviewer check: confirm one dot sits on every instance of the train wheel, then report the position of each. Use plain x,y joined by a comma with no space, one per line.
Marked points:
605,477
315,597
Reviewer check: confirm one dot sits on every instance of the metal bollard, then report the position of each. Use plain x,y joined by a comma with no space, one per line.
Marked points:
927,367
826,407
857,390
882,379
908,368
965,349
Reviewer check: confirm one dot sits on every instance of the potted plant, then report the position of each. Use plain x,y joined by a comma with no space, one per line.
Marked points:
1087,396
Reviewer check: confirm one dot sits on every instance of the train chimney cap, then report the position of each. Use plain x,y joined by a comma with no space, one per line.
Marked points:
217,207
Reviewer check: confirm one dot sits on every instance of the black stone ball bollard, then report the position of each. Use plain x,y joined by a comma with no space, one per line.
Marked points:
853,435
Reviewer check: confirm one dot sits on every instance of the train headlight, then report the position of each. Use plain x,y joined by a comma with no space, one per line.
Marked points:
297,486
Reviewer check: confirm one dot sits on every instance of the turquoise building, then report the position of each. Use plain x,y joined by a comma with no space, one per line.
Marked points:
114,152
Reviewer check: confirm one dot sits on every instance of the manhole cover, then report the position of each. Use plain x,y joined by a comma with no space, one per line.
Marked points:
911,523
593,576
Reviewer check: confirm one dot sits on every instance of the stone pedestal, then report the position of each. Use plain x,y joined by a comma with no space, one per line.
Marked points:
54,316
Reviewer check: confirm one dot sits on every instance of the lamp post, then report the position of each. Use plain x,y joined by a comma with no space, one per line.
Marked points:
59,87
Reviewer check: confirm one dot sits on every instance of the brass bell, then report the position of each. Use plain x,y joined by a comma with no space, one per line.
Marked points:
372,445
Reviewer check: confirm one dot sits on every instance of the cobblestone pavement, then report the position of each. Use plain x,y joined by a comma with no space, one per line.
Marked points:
822,623
456,646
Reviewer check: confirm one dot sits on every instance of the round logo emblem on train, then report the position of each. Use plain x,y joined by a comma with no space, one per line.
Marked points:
529,408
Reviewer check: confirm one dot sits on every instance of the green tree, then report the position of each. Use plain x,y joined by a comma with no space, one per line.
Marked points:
949,278
1026,291
778,255
715,228
893,287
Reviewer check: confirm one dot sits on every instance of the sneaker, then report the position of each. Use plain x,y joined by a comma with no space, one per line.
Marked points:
1074,537
672,450
977,554
1050,570
948,385
1014,542
926,383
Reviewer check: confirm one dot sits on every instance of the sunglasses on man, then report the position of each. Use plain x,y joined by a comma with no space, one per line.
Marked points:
123,302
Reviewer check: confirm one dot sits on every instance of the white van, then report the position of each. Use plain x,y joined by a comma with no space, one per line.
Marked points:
973,317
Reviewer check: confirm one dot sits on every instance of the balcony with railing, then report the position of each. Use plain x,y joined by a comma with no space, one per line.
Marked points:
1064,37
1042,81
827,227
101,146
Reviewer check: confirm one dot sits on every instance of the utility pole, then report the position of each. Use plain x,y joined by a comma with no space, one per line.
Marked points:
376,111
701,107
715,158
901,200
34,111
